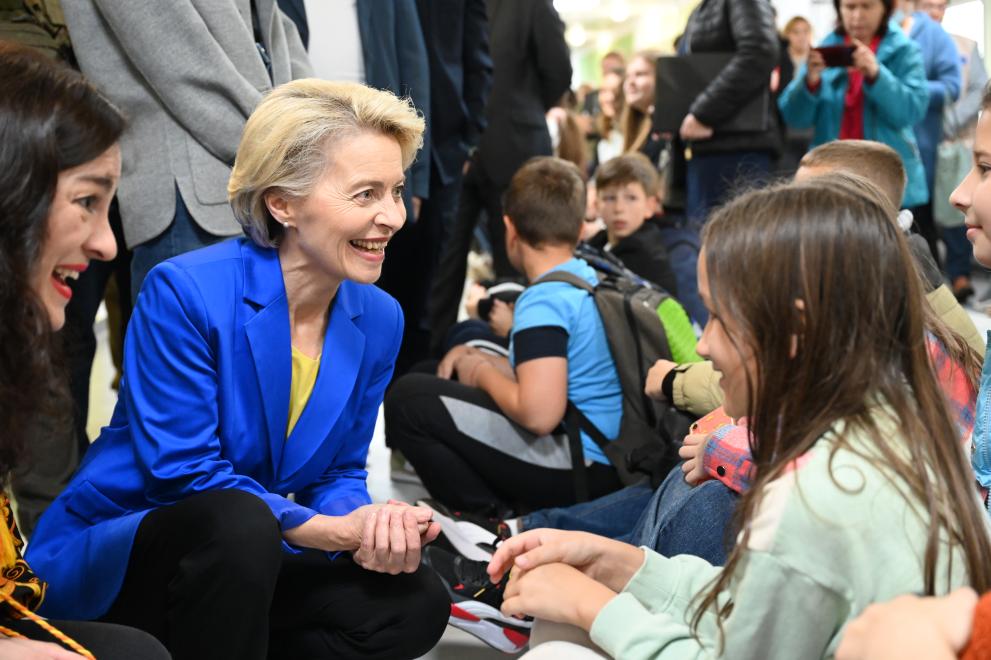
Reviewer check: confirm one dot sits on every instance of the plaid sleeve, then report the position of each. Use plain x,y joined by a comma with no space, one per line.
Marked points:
727,457
960,392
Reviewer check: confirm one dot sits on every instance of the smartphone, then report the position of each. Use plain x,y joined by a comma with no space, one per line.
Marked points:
837,55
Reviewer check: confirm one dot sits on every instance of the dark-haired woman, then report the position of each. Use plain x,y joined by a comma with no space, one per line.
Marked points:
861,490
881,97
59,167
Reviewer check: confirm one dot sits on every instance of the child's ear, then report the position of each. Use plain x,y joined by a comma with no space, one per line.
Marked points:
653,205
510,227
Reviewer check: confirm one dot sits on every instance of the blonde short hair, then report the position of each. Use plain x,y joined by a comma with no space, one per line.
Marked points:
283,146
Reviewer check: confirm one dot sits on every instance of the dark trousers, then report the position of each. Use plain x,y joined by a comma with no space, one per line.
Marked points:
925,225
479,194
209,577
183,235
411,263
472,457
105,641
55,452
958,251
712,179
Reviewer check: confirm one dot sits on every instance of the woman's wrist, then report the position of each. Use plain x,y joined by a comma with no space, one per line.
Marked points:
589,607
327,533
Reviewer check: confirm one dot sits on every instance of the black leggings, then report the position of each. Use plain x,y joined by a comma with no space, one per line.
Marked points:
105,641
472,457
209,577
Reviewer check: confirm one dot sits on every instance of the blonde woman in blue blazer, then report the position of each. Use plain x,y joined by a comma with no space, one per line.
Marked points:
254,369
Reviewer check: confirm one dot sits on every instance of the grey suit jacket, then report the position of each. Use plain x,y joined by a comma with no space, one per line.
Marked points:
187,74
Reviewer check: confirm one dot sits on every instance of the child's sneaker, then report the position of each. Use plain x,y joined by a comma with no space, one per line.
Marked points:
475,601
473,536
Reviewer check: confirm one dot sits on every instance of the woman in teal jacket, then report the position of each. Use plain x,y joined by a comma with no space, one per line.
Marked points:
893,103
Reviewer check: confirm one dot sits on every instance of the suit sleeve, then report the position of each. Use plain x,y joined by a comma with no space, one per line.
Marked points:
749,70
414,76
192,76
342,488
477,64
553,56
171,398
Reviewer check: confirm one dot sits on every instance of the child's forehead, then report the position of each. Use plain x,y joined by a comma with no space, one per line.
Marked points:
616,186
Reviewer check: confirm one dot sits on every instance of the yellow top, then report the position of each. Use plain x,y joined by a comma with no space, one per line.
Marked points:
304,376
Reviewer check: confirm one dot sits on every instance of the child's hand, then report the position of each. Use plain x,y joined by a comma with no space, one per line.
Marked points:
655,378
911,627
693,450
446,367
501,317
476,292
556,592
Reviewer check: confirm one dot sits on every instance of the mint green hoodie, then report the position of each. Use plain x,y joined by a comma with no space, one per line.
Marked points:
825,544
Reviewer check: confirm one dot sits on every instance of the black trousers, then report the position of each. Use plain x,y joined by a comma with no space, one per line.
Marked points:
411,264
209,578
472,457
106,641
479,194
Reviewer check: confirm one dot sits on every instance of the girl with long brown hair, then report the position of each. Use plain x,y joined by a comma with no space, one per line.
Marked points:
861,491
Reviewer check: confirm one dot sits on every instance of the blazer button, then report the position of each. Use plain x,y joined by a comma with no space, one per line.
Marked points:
721,471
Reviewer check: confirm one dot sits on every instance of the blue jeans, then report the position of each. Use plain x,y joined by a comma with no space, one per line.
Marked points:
612,515
682,243
183,235
686,520
958,251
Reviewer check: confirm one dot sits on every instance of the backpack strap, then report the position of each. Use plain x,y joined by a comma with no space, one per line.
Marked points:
575,422
567,278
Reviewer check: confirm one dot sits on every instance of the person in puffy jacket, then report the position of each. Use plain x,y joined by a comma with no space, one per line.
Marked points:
881,97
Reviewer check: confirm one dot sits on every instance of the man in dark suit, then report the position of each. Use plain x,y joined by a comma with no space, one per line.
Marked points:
532,70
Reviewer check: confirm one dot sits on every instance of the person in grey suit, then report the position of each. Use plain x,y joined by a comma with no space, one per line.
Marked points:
186,73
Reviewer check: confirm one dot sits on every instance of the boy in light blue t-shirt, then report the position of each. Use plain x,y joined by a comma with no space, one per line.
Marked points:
484,433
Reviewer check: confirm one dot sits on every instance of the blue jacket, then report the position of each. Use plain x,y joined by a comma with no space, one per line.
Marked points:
942,63
893,105
204,406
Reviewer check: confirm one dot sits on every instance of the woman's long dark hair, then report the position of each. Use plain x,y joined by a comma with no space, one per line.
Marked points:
51,120
860,340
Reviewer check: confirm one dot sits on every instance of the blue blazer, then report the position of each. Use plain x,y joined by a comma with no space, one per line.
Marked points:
204,405
893,105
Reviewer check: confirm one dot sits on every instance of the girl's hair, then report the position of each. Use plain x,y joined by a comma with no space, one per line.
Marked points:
889,8
860,341
284,143
986,99
634,123
51,120
604,124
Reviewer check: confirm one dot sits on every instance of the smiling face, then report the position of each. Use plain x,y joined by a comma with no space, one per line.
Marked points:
638,86
624,208
612,84
717,344
862,18
973,195
78,230
340,230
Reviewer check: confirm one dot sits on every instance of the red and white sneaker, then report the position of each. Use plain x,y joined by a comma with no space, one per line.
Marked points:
475,601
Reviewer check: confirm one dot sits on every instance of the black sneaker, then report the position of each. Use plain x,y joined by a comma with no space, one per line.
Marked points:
471,535
475,601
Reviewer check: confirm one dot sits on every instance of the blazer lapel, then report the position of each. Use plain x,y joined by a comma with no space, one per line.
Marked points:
343,349
270,340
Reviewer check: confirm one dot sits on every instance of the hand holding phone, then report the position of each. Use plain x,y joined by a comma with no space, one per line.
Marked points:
836,55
